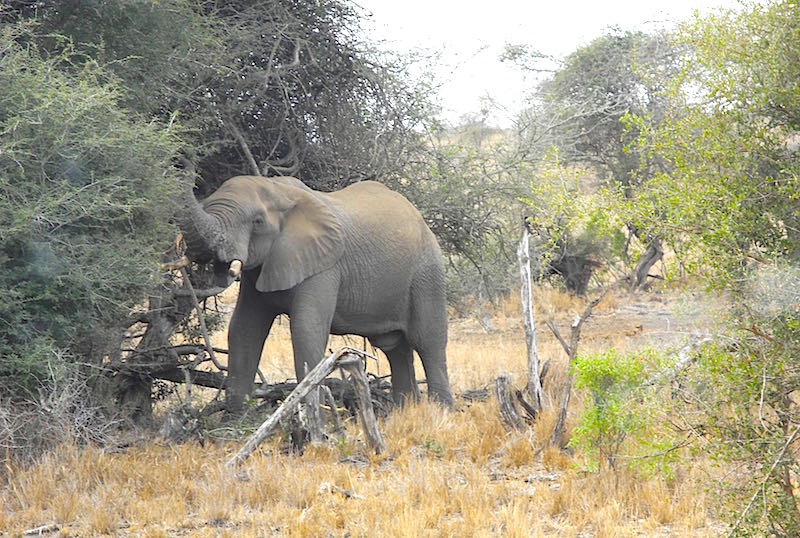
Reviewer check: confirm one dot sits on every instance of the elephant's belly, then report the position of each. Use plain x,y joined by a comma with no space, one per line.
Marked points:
364,324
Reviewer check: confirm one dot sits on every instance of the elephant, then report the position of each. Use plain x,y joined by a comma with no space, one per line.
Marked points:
360,261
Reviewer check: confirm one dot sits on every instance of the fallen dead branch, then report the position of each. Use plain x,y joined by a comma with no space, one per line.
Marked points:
351,360
42,530
686,356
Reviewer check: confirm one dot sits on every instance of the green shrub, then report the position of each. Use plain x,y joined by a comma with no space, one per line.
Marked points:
621,418
85,202
743,393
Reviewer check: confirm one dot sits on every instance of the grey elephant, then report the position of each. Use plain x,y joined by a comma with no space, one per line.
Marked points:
357,261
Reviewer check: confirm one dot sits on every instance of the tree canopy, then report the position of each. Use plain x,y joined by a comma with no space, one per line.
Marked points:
285,87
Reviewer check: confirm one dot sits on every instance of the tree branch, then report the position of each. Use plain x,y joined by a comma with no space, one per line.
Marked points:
202,319
245,148
764,482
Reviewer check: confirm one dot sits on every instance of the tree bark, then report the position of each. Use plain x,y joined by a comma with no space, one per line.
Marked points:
505,401
365,411
135,386
648,259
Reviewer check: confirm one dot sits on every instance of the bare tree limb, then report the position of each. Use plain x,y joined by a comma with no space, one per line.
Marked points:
202,319
327,395
571,348
199,294
245,148
685,357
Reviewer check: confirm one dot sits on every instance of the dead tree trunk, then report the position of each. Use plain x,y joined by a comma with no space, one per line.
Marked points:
534,379
135,386
136,368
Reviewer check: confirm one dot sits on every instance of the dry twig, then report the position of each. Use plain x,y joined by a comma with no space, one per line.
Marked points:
764,482
571,349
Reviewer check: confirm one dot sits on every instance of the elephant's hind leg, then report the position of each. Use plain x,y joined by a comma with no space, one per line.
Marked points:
428,331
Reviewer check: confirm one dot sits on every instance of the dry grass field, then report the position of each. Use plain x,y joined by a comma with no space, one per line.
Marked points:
458,473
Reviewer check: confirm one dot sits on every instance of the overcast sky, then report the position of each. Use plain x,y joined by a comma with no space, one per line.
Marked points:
470,37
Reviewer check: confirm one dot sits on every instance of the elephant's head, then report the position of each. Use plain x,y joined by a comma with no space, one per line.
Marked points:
251,222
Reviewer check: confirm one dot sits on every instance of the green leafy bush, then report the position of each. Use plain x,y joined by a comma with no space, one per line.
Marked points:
85,202
620,421
743,392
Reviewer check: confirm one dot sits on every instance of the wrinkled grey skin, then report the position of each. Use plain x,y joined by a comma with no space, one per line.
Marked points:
357,261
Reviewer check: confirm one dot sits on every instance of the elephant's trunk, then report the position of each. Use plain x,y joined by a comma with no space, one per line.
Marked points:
201,231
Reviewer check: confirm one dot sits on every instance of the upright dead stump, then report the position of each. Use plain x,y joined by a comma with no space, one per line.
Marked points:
535,391
505,401
503,388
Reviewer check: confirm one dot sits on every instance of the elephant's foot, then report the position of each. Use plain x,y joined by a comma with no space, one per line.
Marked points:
234,405
442,396
405,397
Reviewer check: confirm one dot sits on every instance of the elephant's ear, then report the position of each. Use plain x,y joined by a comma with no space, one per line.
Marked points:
311,240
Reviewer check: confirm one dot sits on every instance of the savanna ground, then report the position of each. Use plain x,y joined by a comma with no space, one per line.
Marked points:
460,473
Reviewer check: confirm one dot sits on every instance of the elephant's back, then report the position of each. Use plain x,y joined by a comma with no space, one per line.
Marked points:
384,230
373,208
371,195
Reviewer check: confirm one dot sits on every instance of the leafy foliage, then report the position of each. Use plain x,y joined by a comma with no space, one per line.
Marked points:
579,108
621,421
725,197
579,111
727,193
84,204
577,234
464,184
294,80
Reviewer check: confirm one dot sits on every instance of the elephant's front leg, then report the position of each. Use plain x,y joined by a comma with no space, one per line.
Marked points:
310,319
248,330
310,325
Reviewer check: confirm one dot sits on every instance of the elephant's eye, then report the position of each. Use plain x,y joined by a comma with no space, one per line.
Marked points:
258,222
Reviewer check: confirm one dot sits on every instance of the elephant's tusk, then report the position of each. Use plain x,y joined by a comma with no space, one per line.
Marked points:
235,269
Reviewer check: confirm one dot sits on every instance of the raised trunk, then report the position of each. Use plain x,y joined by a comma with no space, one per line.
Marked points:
201,232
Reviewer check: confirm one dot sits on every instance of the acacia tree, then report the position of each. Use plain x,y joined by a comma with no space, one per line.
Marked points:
85,192
278,87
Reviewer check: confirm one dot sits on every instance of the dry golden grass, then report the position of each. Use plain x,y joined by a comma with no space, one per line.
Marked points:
444,473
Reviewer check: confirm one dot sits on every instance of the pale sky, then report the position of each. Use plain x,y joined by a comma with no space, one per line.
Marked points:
470,37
